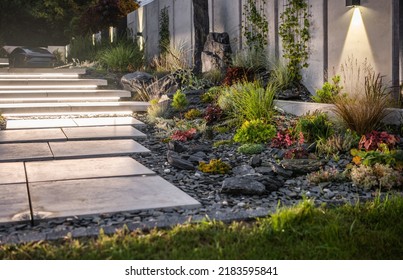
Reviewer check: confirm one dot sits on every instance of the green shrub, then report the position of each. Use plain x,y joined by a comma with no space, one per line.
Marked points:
83,49
314,126
251,149
123,57
193,114
328,91
179,101
392,158
337,143
255,131
211,95
248,101
215,77
215,166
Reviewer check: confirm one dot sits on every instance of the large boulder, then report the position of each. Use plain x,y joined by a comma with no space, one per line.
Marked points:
217,51
136,81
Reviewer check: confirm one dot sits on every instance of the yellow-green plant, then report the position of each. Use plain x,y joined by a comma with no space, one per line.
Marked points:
179,101
255,131
215,166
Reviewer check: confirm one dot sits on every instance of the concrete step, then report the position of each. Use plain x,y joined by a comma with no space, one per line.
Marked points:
69,150
72,133
9,76
72,122
32,96
13,84
72,108
79,71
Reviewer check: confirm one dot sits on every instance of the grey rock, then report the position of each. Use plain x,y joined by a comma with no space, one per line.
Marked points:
255,161
271,183
301,166
176,146
217,51
264,170
242,186
133,82
243,170
280,170
288,94
177,161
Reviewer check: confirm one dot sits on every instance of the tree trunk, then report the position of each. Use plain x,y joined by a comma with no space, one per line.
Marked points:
201,26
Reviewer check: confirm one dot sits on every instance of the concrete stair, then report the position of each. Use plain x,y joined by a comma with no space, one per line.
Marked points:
41,92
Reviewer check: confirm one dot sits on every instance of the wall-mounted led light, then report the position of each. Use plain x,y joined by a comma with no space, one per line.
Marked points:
352,3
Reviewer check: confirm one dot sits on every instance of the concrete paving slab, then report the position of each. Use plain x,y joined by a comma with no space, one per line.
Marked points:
12,173
39,123
91,196
102,132
99,148
57,170
108,121
14,204
32,135
24,152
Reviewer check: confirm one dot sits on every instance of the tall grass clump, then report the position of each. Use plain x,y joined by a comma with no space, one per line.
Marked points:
282,76
83,49
248,101
251,59
122,57
363,106
174,58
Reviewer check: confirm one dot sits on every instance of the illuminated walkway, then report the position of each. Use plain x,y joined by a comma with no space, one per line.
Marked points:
65,167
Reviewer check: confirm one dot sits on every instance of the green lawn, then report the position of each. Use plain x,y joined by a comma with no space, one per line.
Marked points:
368,231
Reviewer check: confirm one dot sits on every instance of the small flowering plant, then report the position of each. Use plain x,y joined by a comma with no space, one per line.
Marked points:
183,135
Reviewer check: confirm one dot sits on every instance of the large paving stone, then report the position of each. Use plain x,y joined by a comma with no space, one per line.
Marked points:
14,204
25,151
41,171
108,121
74,149
31,135
102,132
40,123
90,196
12,173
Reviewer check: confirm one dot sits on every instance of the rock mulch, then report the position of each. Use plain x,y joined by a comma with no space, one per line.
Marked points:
254,188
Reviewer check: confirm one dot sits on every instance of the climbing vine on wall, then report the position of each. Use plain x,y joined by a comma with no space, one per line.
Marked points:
164,41
255,26
294,32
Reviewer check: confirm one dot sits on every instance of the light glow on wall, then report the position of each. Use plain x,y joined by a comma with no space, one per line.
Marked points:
357,44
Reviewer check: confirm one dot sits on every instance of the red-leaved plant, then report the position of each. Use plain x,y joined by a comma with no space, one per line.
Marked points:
183,135
282,140
372,141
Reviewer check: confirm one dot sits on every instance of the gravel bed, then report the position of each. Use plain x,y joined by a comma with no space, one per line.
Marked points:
205,188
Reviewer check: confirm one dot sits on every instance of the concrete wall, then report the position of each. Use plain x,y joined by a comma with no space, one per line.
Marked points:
363,33
338,32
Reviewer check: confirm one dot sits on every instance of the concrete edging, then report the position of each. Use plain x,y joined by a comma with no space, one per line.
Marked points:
299,108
